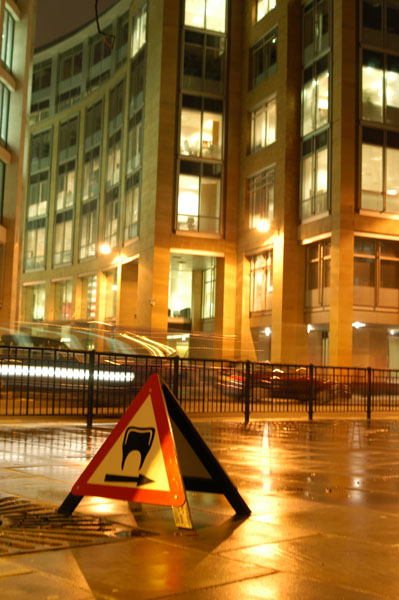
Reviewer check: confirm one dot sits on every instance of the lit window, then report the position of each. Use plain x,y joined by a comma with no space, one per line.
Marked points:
111,290
261,197
38,195
206,14
263,126
139,30
379,171
261,282
35,244
201,127
89,297
380,87
199,198
263,7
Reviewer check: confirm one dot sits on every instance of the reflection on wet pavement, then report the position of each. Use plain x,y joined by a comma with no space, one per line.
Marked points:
325,515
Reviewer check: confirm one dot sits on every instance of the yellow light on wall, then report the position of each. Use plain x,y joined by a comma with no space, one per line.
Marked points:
263,225
105,248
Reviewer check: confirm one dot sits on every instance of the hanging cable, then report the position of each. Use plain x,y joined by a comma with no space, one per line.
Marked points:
109,38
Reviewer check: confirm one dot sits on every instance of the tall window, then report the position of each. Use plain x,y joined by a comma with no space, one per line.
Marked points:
315,175
114,159
38,195
93,124
41,76
71,63
209,291
35,243
38,301
199,197
263,59
91,179
205,14
263,126
380,87
380,23
139,30
111,279
100,48
203,66
261,282
132,199
201,127
135,141
116,105
263,7
316,28
63,300
4,107
66,185
315,99
318,261
137,78
40,151
379,171
88,229
89,297
63,232
261,197
376,273
111,217
7,44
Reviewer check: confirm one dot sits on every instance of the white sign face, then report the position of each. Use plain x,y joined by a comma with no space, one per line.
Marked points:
136,457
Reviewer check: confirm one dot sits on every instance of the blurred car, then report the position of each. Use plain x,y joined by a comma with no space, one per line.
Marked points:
277,383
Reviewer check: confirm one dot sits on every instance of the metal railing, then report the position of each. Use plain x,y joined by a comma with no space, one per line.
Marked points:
45,382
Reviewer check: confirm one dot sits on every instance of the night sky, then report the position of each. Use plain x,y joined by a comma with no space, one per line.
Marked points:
58,17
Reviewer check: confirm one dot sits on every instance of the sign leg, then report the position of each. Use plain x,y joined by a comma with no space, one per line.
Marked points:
69,504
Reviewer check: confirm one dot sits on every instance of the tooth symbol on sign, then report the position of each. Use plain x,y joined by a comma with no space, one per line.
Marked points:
139,439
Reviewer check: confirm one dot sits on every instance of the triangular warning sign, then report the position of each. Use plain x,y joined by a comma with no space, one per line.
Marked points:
138,460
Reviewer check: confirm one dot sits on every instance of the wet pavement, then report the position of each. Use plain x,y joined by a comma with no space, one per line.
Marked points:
324,497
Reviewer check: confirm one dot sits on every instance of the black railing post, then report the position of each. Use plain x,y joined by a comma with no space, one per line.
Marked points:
311,396
369,392
90,388
247,390
175,386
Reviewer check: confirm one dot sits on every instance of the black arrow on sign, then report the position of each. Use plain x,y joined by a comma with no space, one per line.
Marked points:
140,480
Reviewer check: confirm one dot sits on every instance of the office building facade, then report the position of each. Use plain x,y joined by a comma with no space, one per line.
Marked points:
16,50
223,174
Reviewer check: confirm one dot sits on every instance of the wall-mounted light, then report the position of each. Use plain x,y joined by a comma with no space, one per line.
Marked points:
309,328
104,248
263,225
358,325
268,331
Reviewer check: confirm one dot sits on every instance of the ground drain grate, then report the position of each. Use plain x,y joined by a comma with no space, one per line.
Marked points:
29,527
